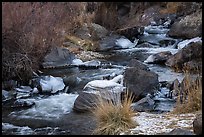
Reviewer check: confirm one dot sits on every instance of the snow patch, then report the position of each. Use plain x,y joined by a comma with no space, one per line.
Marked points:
152,124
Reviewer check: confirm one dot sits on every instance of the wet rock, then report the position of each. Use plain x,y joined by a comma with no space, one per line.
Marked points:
179,131
58,57
71,81
158,58
188,53
137,64
20,103
131,32
85,102
140,82
188,27
145,104
124,43
51,84
8,95
108,43
197,124
145,45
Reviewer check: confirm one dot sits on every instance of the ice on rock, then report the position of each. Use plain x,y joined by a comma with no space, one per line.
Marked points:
53,84
126,43
184,43
77,62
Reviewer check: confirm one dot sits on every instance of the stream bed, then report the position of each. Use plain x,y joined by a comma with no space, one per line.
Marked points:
53,115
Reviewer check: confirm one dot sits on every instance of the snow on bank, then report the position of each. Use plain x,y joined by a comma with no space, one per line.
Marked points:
151,124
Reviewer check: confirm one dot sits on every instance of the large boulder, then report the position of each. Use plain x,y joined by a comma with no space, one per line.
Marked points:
85,102
58,57
140,82
190,52
108,43
188,27
138,64
197,124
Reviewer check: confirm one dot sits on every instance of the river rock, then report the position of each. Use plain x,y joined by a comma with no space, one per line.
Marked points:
140,82
131,32
145,104
145,45
197,124
20,103
108,43
188,27
158,58
85,102
188,53
138,64
9,85
58,57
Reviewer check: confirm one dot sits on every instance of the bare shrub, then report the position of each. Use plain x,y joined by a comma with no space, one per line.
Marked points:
30,29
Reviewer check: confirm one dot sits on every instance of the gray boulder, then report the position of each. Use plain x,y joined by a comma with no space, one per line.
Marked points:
58,57
85,102
140,82
145,104
188,27
188,53
138,64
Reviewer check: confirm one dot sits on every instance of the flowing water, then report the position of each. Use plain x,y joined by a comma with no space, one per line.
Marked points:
53,114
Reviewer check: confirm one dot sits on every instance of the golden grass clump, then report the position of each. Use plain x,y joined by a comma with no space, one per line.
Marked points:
190,100
114,117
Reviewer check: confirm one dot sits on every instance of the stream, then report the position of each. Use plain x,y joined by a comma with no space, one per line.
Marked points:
53,114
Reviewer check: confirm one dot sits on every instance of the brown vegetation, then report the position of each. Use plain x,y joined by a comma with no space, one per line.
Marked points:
190,98
30,29
114,117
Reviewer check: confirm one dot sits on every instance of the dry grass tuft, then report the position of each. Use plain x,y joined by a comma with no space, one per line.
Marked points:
190,99
115,116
